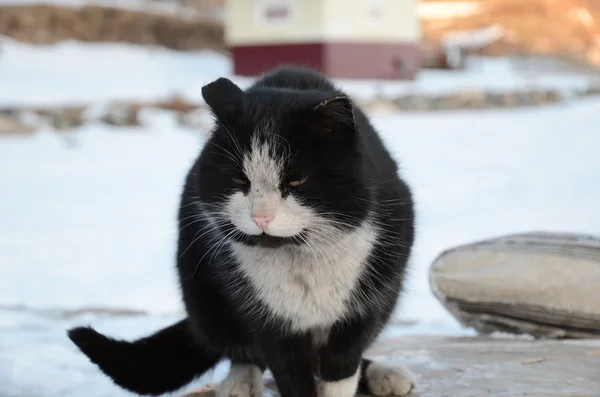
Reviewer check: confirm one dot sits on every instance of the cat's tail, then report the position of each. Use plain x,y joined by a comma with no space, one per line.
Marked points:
157,364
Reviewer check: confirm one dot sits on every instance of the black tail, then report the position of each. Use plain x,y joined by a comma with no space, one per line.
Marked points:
160,363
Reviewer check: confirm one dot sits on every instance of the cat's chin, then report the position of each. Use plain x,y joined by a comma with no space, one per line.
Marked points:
268,241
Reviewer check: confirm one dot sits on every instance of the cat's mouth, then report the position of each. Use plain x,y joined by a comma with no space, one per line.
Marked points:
268,241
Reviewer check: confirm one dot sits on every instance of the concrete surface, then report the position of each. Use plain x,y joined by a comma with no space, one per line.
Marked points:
474,367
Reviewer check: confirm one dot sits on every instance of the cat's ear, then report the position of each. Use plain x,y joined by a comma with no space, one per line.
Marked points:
222,96
333,118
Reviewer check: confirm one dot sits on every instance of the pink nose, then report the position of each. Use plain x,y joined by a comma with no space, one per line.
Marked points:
262,221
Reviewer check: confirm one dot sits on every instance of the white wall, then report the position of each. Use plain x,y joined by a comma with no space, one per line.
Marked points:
353,20
243,26
323,20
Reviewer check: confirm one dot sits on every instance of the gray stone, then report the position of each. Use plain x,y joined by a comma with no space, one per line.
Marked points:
477,367
542,284
592,90
62,118
66,119
11,125
122,114
200,119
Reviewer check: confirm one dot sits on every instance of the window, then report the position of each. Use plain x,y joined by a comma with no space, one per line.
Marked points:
275,13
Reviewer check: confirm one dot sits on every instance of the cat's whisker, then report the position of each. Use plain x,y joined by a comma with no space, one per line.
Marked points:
212,227
312,247
194,222
232,136
237,160
182,206
195,216
198,217
217,235
224,242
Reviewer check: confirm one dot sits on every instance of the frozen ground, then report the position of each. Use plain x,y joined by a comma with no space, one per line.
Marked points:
92,73
90,223
72,73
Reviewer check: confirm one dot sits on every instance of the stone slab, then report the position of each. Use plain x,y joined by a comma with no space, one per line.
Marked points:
490,367
544,284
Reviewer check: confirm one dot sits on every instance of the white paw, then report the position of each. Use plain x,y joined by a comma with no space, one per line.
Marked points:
341,388
244,380
386,379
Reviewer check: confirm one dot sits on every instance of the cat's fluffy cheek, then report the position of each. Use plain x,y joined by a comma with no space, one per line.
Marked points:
291,218
238,208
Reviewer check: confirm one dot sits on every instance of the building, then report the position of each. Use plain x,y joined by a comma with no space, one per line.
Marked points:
375,39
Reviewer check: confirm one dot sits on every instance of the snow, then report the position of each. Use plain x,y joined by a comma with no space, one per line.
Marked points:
94,225
70,72
89,222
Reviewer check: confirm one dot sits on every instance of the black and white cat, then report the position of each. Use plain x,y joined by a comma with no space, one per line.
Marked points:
295,234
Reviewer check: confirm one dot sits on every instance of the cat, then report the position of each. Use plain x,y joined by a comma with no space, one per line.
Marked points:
296,231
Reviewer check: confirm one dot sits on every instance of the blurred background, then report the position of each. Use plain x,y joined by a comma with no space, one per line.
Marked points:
492,108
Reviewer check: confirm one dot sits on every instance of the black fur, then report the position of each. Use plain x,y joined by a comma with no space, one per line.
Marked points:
156,364
351,175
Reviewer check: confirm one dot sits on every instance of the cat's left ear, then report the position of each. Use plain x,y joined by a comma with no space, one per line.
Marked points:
222,96
333,118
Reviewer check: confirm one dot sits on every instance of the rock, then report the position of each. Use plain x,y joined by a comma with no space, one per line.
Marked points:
65,118
468,367
554,97
592,90
508,100
11,123
121,114
177,104
542,284
476,99
200,119
467,100
379,106
414,102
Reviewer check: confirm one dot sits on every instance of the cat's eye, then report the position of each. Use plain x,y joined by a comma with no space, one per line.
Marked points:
238,181
297,182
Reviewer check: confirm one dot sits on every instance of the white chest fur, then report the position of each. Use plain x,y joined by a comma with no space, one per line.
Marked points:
309,286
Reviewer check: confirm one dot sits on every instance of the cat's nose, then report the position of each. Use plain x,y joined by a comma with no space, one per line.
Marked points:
262,221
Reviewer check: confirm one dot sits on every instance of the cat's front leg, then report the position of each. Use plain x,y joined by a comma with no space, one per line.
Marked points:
341,357
340,374
290,359
344,371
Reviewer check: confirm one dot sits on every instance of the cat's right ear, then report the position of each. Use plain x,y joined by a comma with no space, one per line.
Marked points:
222,96
333,118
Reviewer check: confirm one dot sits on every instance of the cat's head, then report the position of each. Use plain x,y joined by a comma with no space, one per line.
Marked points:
281,166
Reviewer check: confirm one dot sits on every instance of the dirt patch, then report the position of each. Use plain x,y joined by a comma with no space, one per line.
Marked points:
567,29
43,24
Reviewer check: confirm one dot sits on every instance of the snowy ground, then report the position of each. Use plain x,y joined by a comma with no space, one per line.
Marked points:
69,73
91,223
73,73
